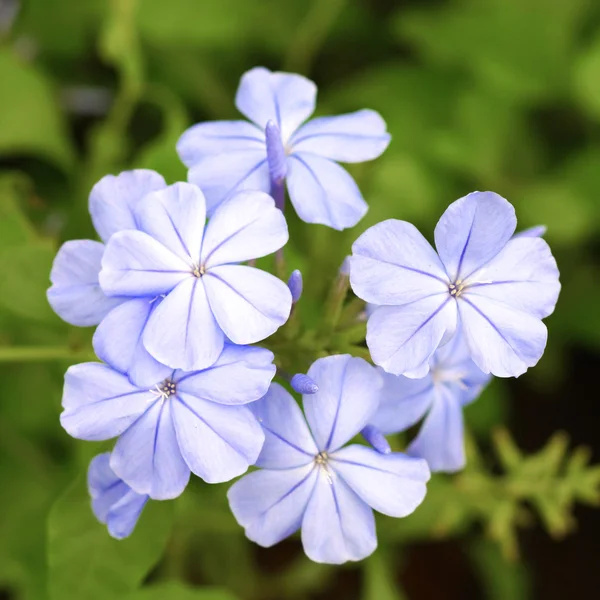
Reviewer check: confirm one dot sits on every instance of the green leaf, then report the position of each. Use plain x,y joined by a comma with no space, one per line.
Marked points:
586,78
31,121
379,582
15,228
173,590
85,562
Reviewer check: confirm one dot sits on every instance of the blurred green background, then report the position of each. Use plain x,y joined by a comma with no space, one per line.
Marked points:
477,94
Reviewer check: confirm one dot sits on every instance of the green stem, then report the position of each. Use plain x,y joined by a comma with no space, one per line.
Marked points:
10,354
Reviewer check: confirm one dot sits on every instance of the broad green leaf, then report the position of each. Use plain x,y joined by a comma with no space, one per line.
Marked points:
85,562
174,590
15,228
379,583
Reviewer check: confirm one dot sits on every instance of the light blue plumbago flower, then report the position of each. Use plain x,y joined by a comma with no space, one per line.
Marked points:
114,503
502,288
453,381
205,296
308,480
295,284
276,147
188,421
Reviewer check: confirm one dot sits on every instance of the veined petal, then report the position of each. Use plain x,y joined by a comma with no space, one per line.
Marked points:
240,375
348,396
536,231
118,342
114,198
323,192
402,339
392,263
76,295
248,304
221,175
182,332
218,442
270,504
216,137
123,516
105,488
354,137
338,526
246,226
135,264
175,217
286,98
503,341
147,455
523,275
472,231
100,403
392,484
288,441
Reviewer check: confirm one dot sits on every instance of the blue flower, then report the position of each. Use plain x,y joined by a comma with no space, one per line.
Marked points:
308,480
189,273
114,503
502,288
187,421
225,156
453,381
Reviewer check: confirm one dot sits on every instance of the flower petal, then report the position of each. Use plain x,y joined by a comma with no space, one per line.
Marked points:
348,396
246,226
354,137
218,442
147,455
392,263
76,295
100,403
221,175
240,375
175,217
286,98
105,488
216,137
114,198
288,441
441,438
472,231
123,516
523,275
337,526
135,264
392,484
118,342
323,192
248,304
171,334
402,339
536,231
270,504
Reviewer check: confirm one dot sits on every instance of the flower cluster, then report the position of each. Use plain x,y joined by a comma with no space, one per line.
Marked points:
178,303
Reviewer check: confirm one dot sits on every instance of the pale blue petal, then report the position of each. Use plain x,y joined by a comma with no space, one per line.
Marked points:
245,227
288,441
100,403
114,198
338,526
216,137
175,217
118,342
503,341
147,455
323,192
182,332
441,438
222,175
124,515
472,231
392,263
286,98
348,396
354,137
105,488
75,295
402,339
218,442
248,304
270,504
135,264
393,484
240,375
536,231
